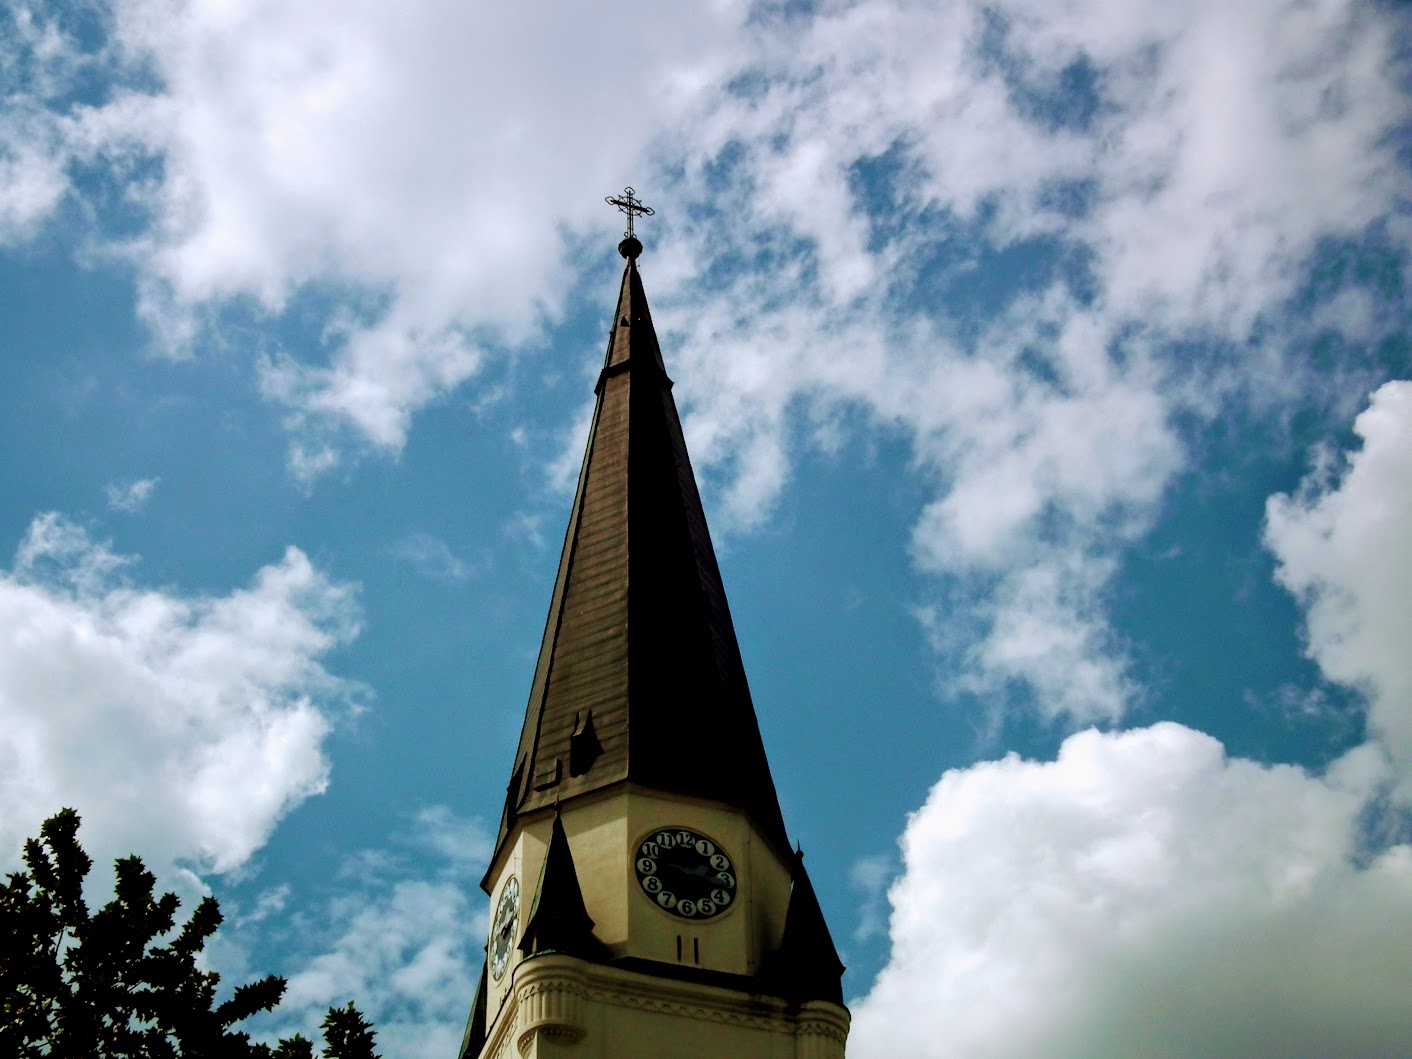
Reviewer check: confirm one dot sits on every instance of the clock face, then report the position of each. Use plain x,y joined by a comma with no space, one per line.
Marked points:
502,931
685,873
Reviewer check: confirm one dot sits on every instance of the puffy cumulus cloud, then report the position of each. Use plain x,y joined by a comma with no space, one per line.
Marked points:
400,935
421,170
1144,894
184,727
1342,542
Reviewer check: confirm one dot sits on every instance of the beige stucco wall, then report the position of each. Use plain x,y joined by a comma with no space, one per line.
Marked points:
604,831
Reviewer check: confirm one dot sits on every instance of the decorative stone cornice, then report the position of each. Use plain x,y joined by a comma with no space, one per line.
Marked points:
550,993
549,996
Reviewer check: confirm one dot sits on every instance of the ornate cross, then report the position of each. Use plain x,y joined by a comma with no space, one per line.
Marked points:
632,206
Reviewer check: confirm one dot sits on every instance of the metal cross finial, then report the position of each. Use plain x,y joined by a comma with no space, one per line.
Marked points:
632,206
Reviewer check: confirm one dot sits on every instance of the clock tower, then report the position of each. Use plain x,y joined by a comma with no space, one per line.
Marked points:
645,900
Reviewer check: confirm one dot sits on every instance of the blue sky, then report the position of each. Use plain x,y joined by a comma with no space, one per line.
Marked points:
1045,369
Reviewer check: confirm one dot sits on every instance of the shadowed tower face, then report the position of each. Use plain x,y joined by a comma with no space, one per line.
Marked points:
644,897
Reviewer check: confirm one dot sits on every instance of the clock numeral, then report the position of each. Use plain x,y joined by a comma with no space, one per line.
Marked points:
721,897
667,899
706,907
646,866
686,908
685,838
652,884
705,848
720,862
650,849
666,839
726,879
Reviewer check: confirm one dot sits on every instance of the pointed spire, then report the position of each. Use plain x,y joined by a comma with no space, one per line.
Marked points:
807,966
558,921
639,632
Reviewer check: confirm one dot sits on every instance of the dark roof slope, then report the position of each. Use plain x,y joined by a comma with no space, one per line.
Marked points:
639,675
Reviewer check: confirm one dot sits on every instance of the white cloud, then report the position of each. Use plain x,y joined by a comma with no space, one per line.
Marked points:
871,876
181,727
1144,894
130,497
834,189
33,157
1344,545
404,955
32,182
375,158
1048,632
1045,404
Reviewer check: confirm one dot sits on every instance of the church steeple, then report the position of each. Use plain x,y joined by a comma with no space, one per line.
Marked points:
639,677
667,917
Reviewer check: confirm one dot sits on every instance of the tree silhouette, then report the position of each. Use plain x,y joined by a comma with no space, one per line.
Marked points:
104,985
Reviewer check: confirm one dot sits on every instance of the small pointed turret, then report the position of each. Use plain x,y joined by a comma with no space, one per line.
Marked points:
807,966
558,921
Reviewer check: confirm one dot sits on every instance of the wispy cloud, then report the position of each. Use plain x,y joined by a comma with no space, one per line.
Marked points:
400,934
131,496
432,557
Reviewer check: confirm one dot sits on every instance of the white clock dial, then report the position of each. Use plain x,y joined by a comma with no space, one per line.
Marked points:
503,929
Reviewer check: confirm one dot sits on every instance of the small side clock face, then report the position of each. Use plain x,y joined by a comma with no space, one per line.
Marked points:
502,931
685,873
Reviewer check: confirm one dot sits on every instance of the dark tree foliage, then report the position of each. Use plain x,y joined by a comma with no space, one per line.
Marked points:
103,985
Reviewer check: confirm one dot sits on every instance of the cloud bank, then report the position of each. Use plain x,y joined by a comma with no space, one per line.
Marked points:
1144,894
1046,243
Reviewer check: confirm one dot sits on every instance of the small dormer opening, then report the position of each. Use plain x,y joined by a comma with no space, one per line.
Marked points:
584,747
